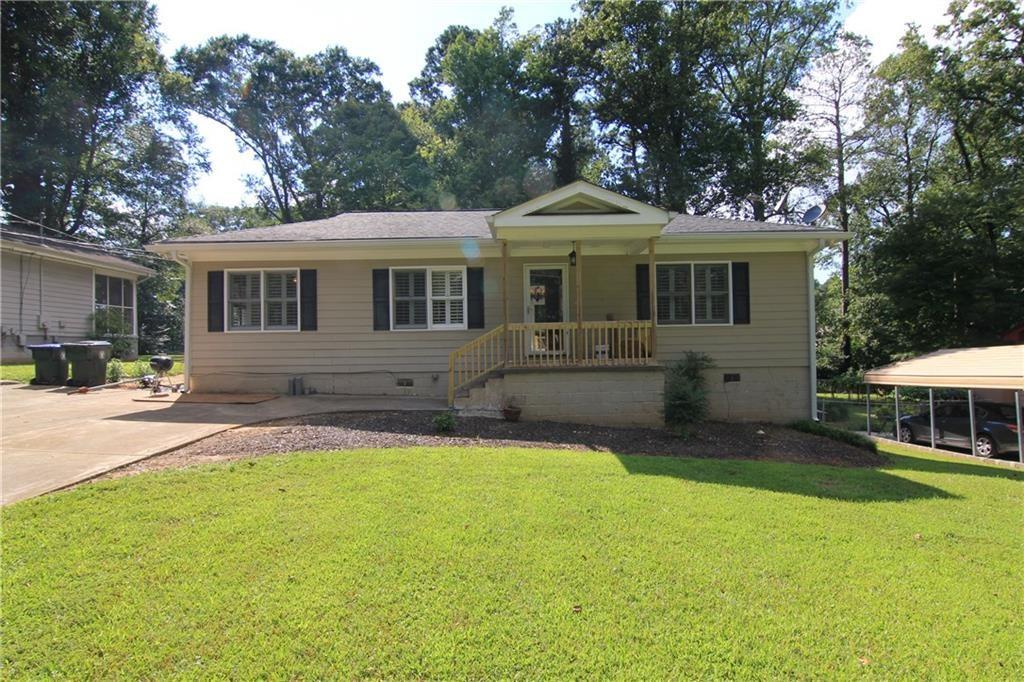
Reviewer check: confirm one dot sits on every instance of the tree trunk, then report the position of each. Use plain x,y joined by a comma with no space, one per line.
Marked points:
844,223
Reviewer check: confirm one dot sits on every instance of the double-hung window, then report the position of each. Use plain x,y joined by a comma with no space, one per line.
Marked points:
694,293
674,300
711,293
448,299
428,298
114,298
263,300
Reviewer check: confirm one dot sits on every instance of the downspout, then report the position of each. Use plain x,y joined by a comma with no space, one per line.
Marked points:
812,326
186,337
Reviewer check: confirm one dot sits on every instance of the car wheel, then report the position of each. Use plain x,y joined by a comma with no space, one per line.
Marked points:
984,446
906,434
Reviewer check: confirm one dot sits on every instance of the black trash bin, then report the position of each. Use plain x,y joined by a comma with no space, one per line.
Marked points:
88,362
51,365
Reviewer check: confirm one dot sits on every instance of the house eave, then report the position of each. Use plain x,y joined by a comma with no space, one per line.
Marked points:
81,260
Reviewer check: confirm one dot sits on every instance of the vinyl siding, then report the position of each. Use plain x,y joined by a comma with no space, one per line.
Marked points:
66,296
346,344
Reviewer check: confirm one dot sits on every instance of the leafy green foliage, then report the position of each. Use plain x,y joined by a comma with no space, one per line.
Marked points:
115,370
841,435
109,324
444,422
82,96
333,565
939,264
686,393
484,133
322,127
769,47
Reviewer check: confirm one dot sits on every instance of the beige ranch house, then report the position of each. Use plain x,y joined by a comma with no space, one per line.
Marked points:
546,305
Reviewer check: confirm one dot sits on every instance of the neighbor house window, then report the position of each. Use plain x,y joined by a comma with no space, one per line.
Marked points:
441,305
115,300
694,293
263,300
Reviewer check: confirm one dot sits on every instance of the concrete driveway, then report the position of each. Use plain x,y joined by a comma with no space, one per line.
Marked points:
52,439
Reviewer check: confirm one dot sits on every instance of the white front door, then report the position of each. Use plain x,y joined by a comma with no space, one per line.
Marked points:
545,296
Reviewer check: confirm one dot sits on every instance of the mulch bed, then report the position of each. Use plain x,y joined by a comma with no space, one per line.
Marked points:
346,431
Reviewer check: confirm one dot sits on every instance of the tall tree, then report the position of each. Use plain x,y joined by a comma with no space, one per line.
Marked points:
770,46
556,77
905,130
834,98
943,183
291,112
79,79
483,132
647,66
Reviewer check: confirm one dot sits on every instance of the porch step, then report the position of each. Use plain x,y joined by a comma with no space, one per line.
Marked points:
482,401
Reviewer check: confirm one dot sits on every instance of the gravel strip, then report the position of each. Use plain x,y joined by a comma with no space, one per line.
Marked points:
348,430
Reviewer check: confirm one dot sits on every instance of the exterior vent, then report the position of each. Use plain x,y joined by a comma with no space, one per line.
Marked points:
730,378
403,382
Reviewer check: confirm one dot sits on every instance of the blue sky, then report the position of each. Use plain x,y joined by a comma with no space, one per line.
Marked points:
396,34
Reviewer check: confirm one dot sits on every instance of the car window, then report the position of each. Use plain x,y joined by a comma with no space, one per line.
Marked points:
958,411
999,411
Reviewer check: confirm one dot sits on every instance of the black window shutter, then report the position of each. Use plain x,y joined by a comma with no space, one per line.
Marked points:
381,301
215,301
643,292
307,306
741,293
475,297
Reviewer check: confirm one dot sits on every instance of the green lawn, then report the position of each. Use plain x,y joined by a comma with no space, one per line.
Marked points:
25,371
481,562
22,372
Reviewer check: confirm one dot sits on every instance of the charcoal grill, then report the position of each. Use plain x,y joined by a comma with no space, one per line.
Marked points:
161,365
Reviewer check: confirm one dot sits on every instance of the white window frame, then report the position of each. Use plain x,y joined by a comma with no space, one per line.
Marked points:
693,295
263,300
430,269
135,297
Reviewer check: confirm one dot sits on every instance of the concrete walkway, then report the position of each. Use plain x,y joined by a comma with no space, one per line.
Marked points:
52,439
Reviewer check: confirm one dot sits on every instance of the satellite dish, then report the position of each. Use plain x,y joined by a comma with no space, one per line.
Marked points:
812,214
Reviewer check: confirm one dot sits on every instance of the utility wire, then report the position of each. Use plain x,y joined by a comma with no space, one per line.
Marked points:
139,253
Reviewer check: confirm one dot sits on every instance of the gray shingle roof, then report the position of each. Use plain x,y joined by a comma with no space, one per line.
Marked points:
689,224
382,225
446,224
93,254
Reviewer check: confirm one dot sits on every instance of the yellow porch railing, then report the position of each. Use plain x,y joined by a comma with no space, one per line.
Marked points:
550,345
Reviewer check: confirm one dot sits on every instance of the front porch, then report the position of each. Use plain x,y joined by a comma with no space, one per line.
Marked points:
553,346
555,234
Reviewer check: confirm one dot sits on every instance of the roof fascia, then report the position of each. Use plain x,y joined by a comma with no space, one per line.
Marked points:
643,212
82,260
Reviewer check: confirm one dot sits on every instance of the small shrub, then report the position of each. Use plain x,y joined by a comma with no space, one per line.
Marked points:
836,411
848,437
115,370
686,392
110,325
444,422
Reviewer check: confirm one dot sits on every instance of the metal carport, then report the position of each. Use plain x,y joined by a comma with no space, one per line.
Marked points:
992,369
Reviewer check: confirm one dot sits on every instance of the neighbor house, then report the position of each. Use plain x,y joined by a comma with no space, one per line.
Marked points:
51,288
546,305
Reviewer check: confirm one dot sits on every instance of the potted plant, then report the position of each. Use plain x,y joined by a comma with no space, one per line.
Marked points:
511,411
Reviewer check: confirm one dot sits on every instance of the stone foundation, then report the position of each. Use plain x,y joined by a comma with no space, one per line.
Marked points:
605,397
